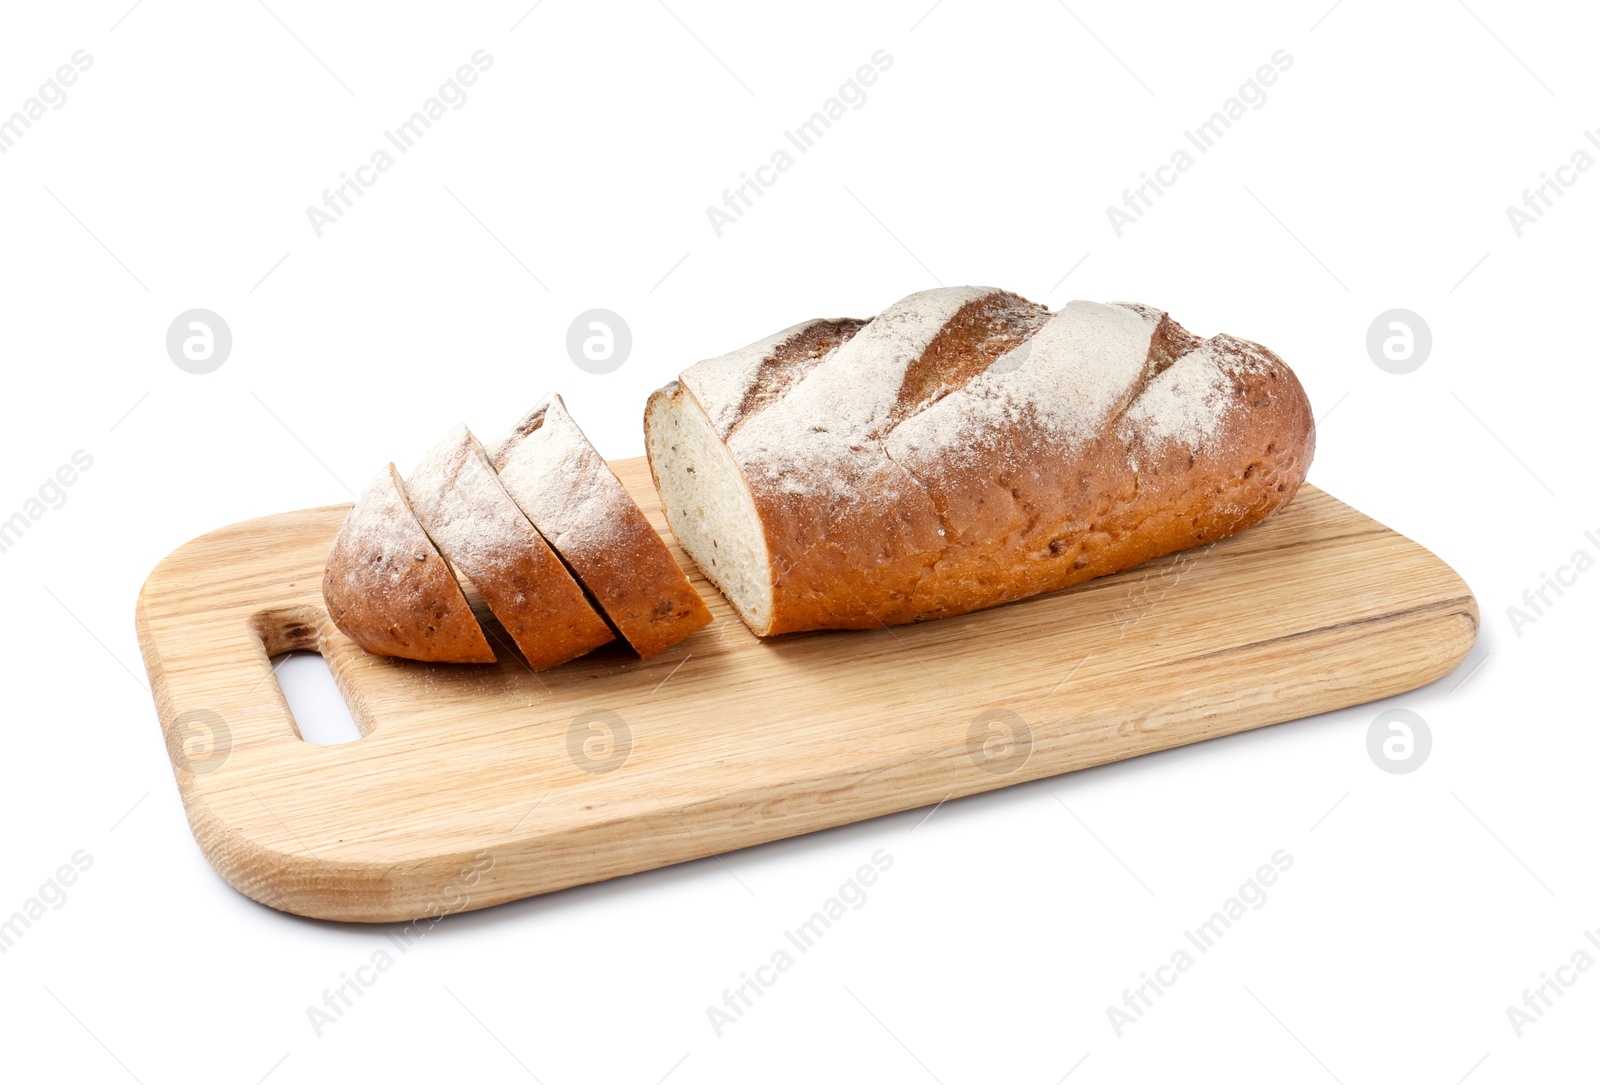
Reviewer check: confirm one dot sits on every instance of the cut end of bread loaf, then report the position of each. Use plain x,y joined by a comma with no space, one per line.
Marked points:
708,503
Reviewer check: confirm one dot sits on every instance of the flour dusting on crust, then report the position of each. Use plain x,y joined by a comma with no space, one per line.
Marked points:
553,472
466,511
721,384
1191,400
824,435
1078,369
381,532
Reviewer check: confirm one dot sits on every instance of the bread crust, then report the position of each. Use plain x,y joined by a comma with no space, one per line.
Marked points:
388,589
888,527
581,508
477,526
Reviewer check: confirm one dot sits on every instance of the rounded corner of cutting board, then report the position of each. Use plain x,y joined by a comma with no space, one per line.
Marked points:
1468,630
1454,650
1462,619
346,890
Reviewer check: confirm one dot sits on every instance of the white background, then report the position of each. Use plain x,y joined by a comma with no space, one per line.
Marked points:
1377,175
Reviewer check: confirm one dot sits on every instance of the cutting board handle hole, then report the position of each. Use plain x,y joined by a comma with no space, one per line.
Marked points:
320,713
292,639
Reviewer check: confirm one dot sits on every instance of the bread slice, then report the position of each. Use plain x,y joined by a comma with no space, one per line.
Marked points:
477,526
569,492
388,589
966,448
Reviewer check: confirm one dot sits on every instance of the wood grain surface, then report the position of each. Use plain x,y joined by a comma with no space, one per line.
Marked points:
475,785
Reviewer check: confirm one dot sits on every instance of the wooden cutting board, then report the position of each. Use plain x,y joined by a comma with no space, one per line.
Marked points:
477,785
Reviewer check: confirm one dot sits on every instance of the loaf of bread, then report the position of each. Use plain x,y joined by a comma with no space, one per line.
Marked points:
569,492
966,448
